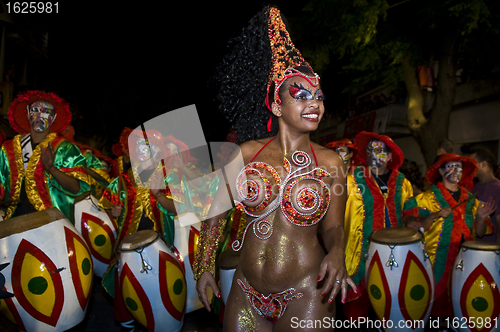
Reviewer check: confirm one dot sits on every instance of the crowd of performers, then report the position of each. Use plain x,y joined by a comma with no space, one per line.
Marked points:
302,214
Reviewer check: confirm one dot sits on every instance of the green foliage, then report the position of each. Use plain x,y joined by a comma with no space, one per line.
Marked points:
369,39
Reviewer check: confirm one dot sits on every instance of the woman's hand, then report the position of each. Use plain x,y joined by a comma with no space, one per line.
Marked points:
206,280
48,156
334,264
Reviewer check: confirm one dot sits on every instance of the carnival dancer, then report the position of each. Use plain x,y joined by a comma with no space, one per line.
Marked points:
284,272
449,213
345,149
38,168
377,192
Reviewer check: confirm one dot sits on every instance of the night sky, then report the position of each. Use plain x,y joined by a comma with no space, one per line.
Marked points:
122,65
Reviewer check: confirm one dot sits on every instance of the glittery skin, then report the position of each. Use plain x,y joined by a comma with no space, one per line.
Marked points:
313,203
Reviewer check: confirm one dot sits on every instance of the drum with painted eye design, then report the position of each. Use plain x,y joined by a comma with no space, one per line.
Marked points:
187,232
49,272
399,277
152,281
98,230
474,286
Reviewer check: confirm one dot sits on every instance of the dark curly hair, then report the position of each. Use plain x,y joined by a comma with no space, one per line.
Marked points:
242,77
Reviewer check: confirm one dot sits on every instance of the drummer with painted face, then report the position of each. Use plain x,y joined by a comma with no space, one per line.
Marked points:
377,192
345,149
38,168
138,199
449,214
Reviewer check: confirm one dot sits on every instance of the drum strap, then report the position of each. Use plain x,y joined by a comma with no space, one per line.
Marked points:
27,149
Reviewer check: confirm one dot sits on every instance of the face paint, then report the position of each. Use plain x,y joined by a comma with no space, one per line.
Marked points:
144,150
173,148
344,152
300,93
41,115
453,171
377,154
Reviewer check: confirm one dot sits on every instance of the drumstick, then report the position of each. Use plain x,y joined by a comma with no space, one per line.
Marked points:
462,202
13,201
119,191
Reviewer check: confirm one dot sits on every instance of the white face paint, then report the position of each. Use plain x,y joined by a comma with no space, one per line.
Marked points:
41,115
377,154
144,150
452,171
344,152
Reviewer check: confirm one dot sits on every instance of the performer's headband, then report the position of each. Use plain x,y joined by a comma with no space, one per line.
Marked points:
285,57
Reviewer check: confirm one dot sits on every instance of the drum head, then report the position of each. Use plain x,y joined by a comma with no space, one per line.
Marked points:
396,235
138,240
29,221
477,245
229,259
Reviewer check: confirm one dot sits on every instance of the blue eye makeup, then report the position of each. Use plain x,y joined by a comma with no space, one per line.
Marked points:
299,92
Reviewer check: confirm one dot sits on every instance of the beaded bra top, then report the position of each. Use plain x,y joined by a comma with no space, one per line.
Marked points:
313,204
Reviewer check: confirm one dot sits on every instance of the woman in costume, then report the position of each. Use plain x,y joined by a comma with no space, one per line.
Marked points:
284,272
449,213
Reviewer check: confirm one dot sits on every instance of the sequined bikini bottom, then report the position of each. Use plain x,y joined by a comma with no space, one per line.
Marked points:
272,306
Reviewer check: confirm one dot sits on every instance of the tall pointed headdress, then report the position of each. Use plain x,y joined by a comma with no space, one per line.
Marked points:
285,57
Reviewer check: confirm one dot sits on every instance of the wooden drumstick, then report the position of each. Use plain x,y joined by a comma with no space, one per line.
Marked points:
462,202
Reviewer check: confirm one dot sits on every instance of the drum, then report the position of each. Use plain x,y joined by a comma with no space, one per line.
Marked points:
228,262
474,287
98,230
49,271
399,277
187,232
152,281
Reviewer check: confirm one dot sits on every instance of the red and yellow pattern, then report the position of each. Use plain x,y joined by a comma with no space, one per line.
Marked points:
480,299
378,288
81,266
173,287
37,283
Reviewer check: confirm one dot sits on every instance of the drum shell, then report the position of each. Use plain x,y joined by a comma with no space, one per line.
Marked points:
392,291
153,289
98,230
53,251
187,232
475,278
229,261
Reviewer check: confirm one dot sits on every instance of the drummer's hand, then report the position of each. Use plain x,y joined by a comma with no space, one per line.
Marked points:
414,224
485,210
206,280
444,213
116,210
47,157
338,278
157,183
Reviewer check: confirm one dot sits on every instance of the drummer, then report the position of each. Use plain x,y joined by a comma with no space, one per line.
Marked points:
449,214
377,192
345,149
38,169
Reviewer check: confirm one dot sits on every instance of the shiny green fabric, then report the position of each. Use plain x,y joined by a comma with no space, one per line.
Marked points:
67,158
